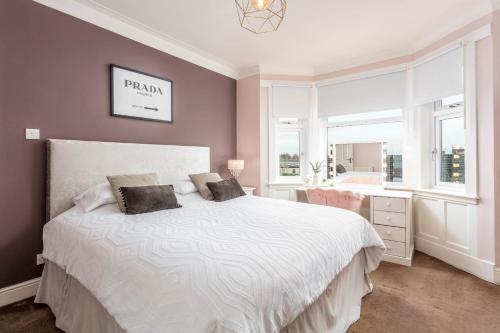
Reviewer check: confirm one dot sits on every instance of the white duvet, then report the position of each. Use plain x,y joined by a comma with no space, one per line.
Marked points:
246,265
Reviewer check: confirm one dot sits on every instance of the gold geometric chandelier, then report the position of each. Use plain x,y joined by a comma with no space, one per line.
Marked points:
260,16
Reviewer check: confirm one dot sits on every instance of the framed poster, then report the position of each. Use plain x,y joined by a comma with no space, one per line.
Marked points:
140,95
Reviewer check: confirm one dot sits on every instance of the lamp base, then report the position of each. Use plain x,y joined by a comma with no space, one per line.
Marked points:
235,172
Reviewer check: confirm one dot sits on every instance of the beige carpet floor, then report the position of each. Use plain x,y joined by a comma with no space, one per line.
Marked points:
429,297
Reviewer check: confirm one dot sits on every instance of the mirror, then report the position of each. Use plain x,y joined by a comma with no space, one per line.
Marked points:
358,163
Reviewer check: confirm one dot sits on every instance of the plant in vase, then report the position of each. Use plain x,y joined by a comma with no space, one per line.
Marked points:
316,168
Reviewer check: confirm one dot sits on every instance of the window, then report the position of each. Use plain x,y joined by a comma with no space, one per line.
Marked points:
449,146
383,126
289,151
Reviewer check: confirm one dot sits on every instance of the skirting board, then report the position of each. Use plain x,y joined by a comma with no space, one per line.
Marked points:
475,266
18,292
497,275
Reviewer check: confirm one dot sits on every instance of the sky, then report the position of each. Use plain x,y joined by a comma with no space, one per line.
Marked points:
289,142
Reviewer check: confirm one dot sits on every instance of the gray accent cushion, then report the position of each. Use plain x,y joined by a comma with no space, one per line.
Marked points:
128,181
226,189
146,199
340,169
200,181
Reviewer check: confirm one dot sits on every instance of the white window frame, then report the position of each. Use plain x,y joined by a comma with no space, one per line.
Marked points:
438,116
280,127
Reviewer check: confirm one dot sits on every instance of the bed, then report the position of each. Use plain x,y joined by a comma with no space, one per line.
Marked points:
249,264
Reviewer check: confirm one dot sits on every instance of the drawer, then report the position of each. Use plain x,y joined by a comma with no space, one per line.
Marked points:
389,218
397,249
389,204
391,233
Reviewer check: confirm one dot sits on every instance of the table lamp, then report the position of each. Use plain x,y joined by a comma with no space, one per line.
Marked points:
235,167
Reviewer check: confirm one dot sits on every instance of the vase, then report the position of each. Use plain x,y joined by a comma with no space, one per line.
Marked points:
316,180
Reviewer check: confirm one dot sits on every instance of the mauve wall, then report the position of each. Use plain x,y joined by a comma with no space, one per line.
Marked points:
54,75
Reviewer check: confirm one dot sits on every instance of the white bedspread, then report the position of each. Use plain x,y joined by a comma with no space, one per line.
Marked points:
246,265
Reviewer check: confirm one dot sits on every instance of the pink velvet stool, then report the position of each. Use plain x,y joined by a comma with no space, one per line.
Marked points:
340,199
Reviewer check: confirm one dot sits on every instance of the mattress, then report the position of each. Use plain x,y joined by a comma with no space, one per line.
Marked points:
246,265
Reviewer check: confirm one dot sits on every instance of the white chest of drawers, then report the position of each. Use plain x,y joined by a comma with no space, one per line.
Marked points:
391,216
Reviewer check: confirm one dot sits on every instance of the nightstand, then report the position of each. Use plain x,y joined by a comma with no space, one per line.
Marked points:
248,190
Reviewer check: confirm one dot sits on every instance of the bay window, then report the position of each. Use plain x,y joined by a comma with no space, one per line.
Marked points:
422,114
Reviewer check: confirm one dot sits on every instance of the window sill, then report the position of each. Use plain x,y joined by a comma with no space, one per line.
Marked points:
458,196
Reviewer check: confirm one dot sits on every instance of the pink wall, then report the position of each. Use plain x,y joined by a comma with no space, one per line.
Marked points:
248,129
485,138
496,122
264,140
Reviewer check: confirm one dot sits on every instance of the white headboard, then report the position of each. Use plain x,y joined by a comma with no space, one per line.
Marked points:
73,166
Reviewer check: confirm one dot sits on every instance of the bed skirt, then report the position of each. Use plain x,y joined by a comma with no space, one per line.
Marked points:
78,311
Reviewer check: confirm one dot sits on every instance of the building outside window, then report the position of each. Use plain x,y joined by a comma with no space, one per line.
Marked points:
449,144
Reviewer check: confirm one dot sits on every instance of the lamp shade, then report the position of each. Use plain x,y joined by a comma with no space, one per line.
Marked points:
236,164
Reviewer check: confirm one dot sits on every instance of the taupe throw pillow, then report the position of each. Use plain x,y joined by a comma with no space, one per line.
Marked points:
118,181
200,181
226,189
146,199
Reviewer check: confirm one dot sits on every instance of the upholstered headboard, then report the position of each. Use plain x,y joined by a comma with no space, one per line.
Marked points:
74,166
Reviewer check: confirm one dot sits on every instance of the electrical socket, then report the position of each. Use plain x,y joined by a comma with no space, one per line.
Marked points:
39,259
32,134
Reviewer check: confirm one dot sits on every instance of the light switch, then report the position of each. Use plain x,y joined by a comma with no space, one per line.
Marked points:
32,134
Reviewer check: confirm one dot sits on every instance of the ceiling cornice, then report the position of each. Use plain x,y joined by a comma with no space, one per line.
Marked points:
480,15
94,13
364,60
124,26
473,22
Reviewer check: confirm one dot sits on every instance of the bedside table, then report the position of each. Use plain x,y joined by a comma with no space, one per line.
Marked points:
248,190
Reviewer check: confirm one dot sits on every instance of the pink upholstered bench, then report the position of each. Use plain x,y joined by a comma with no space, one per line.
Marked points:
340,199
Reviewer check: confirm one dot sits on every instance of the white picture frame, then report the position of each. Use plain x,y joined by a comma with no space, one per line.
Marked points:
140,95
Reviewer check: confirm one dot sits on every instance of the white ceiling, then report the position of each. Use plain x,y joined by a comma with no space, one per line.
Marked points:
317,36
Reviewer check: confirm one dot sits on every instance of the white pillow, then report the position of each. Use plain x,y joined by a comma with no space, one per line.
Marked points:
184,187
94,197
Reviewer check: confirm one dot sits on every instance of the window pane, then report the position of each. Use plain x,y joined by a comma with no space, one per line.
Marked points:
391,133
453,150
289,152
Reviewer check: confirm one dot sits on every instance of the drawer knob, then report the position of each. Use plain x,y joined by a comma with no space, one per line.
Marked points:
388,204
389,232
389,247
387,218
